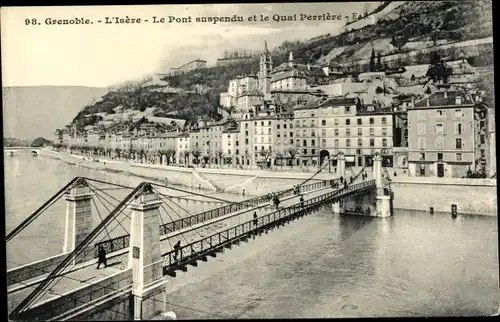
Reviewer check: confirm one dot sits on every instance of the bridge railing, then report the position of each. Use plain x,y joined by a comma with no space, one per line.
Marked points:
224,210
123,241
199,248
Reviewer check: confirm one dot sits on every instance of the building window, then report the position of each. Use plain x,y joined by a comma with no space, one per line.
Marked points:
348,132
422,157
372,120
347,121
360,142
323,122
304,142
439,114
457,114
360,131
262,123
372,142
440,129
440,157
459,156
347,109
372,131
336,132
481,139
439,143
313,133
348,142
421,143
269,123
291,134
421,128
384,120
284,126
458,144
269,131
323,142
313,151
291,141
335,121
313,142
336,143
420,115
304,151
384,142
323,132
246,125
384,131
278,126
246,141
458,128
360,121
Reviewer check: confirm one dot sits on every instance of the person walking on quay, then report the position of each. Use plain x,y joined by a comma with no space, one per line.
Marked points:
101,258
176,249
351,180
302,201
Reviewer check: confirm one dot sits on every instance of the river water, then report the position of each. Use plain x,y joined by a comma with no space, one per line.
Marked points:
324,265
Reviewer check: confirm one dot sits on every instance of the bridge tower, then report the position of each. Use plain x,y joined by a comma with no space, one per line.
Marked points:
78,217
383,203
145,255
341,164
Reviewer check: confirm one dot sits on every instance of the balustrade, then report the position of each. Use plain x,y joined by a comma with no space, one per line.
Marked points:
243,230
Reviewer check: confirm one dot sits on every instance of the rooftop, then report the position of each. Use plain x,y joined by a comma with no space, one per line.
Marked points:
445,98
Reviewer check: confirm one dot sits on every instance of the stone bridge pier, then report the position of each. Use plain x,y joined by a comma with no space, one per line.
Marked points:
78,218
373,202
149,285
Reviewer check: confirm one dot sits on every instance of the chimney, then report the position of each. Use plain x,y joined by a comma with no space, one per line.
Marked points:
445,94
458,100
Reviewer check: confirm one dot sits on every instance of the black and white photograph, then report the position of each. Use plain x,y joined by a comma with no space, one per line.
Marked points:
250,161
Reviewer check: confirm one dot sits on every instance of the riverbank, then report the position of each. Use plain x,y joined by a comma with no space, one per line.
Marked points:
472,196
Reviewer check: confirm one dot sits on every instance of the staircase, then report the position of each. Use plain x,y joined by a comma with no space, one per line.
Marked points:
203,179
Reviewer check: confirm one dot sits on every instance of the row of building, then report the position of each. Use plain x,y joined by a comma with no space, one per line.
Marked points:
276,118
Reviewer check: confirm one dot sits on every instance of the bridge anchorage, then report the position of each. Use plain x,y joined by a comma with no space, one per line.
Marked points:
145,244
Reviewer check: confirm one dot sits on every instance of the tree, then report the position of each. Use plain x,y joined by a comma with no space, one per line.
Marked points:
196,154
186,154
379,66
292,152
372,61
219,154
438,69
412,77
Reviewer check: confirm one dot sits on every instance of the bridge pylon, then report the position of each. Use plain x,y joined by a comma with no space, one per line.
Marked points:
78,217
383,202
341,164
145,255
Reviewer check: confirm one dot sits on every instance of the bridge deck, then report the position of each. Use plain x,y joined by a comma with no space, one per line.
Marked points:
80,275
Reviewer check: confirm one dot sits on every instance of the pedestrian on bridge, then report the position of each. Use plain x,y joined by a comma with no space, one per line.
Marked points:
101,258
276,201
176,249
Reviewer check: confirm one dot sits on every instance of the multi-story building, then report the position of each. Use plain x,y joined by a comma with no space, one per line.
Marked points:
325,127
446,135
182,150
192,65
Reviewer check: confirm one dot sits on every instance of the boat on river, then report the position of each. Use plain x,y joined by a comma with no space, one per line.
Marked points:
11,152
34,153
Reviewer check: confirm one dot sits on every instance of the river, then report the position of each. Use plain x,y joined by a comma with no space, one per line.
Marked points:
323,265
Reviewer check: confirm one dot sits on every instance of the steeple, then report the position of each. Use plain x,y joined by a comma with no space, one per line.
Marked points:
266,65
290,59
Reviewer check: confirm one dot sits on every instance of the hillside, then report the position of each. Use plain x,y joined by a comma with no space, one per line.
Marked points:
30,112
403,33
9,142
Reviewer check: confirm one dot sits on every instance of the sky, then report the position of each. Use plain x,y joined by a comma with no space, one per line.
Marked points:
101,55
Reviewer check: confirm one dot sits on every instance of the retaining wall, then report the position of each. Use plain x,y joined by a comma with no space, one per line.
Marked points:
472,196
87,295
32,270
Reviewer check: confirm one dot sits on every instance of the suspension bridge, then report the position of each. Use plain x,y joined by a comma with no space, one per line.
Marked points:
151,232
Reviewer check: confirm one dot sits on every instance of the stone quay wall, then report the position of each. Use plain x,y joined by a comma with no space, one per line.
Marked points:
32,270
472,196
87,296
